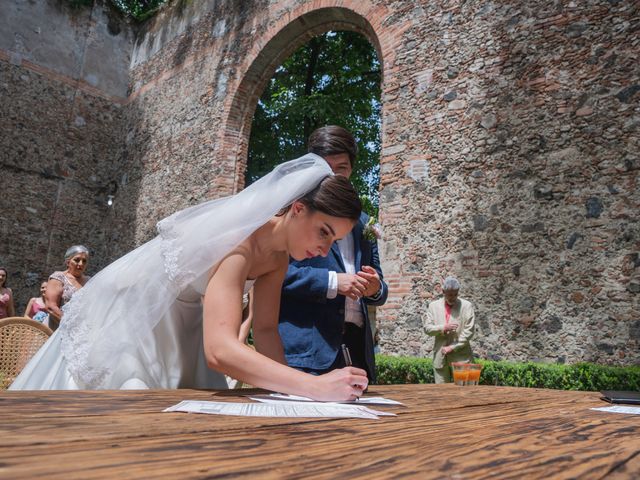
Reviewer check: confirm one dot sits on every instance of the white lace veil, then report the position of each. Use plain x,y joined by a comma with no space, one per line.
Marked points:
119,307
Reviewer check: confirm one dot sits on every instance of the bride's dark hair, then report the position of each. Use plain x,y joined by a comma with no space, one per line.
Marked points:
333,196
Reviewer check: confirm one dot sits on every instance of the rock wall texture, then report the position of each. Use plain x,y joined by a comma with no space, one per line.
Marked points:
510,153
61,130
521,122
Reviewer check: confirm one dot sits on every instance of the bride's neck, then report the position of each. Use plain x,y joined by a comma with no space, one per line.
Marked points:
272,236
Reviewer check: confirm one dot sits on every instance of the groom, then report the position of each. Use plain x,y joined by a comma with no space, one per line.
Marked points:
324,299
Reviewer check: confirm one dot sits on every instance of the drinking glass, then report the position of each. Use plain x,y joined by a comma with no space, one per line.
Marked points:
460,373
473,373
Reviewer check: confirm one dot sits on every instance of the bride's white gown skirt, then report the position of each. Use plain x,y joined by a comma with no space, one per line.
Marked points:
171,357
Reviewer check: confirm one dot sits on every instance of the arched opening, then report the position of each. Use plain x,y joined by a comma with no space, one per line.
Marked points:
334,79
235,133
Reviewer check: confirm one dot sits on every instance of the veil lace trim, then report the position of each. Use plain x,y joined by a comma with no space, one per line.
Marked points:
171,253
75,344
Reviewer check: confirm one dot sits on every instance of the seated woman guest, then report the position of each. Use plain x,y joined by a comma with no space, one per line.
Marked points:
168,314
64,284
36,308
6,296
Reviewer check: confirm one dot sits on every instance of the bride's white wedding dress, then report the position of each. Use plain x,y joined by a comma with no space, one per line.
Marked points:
171,357
138,322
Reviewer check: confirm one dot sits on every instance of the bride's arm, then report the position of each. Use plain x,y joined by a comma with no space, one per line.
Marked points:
247,319
226,354
266,305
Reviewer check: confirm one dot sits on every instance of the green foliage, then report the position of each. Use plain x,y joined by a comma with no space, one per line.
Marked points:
137,9
369,207
579,376
332,80
394,370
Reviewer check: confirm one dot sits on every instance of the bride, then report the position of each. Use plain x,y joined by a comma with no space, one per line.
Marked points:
167,314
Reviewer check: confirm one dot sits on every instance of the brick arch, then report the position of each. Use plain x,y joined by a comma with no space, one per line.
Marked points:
272,48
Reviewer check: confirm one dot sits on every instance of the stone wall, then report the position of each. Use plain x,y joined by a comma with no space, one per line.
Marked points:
510,153
61,149
511,160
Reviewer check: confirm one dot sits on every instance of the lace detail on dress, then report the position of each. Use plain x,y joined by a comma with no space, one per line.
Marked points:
68,288
171,254
75,342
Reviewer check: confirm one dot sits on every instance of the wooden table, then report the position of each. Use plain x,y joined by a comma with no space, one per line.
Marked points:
443,431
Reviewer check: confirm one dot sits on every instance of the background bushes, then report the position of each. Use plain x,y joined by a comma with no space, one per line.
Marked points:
580,376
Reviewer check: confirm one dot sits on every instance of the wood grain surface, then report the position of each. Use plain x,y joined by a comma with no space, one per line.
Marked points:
443,431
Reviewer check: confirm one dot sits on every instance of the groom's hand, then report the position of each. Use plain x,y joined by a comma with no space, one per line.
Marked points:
373,279
352,286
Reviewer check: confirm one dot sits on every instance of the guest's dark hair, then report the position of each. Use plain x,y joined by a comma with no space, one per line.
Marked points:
333,140
6,277
334,196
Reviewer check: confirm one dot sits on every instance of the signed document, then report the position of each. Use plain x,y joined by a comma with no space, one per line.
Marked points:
275,397
284,409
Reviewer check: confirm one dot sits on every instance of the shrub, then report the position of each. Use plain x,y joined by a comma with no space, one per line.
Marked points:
394,370
579,376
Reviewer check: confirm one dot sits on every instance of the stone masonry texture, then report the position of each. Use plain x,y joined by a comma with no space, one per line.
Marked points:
509,158
61,131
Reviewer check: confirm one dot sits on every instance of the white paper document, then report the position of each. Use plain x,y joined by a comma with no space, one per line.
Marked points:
619,409
272,397
282,409
276,401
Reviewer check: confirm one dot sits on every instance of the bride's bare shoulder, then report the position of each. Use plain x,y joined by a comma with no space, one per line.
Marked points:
240,257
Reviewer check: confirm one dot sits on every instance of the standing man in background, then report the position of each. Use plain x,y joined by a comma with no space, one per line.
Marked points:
324,299
451,320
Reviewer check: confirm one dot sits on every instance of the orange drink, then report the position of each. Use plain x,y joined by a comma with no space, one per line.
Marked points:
460,373
460,376
473,376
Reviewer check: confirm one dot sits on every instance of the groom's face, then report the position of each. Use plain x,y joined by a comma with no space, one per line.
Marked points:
340,164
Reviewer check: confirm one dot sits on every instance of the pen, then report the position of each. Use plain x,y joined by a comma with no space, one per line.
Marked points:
347,359
346,355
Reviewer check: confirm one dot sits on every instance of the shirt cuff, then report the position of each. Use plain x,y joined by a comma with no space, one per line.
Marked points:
332,288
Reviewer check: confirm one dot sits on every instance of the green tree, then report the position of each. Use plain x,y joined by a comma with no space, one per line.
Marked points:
138,9
334,79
